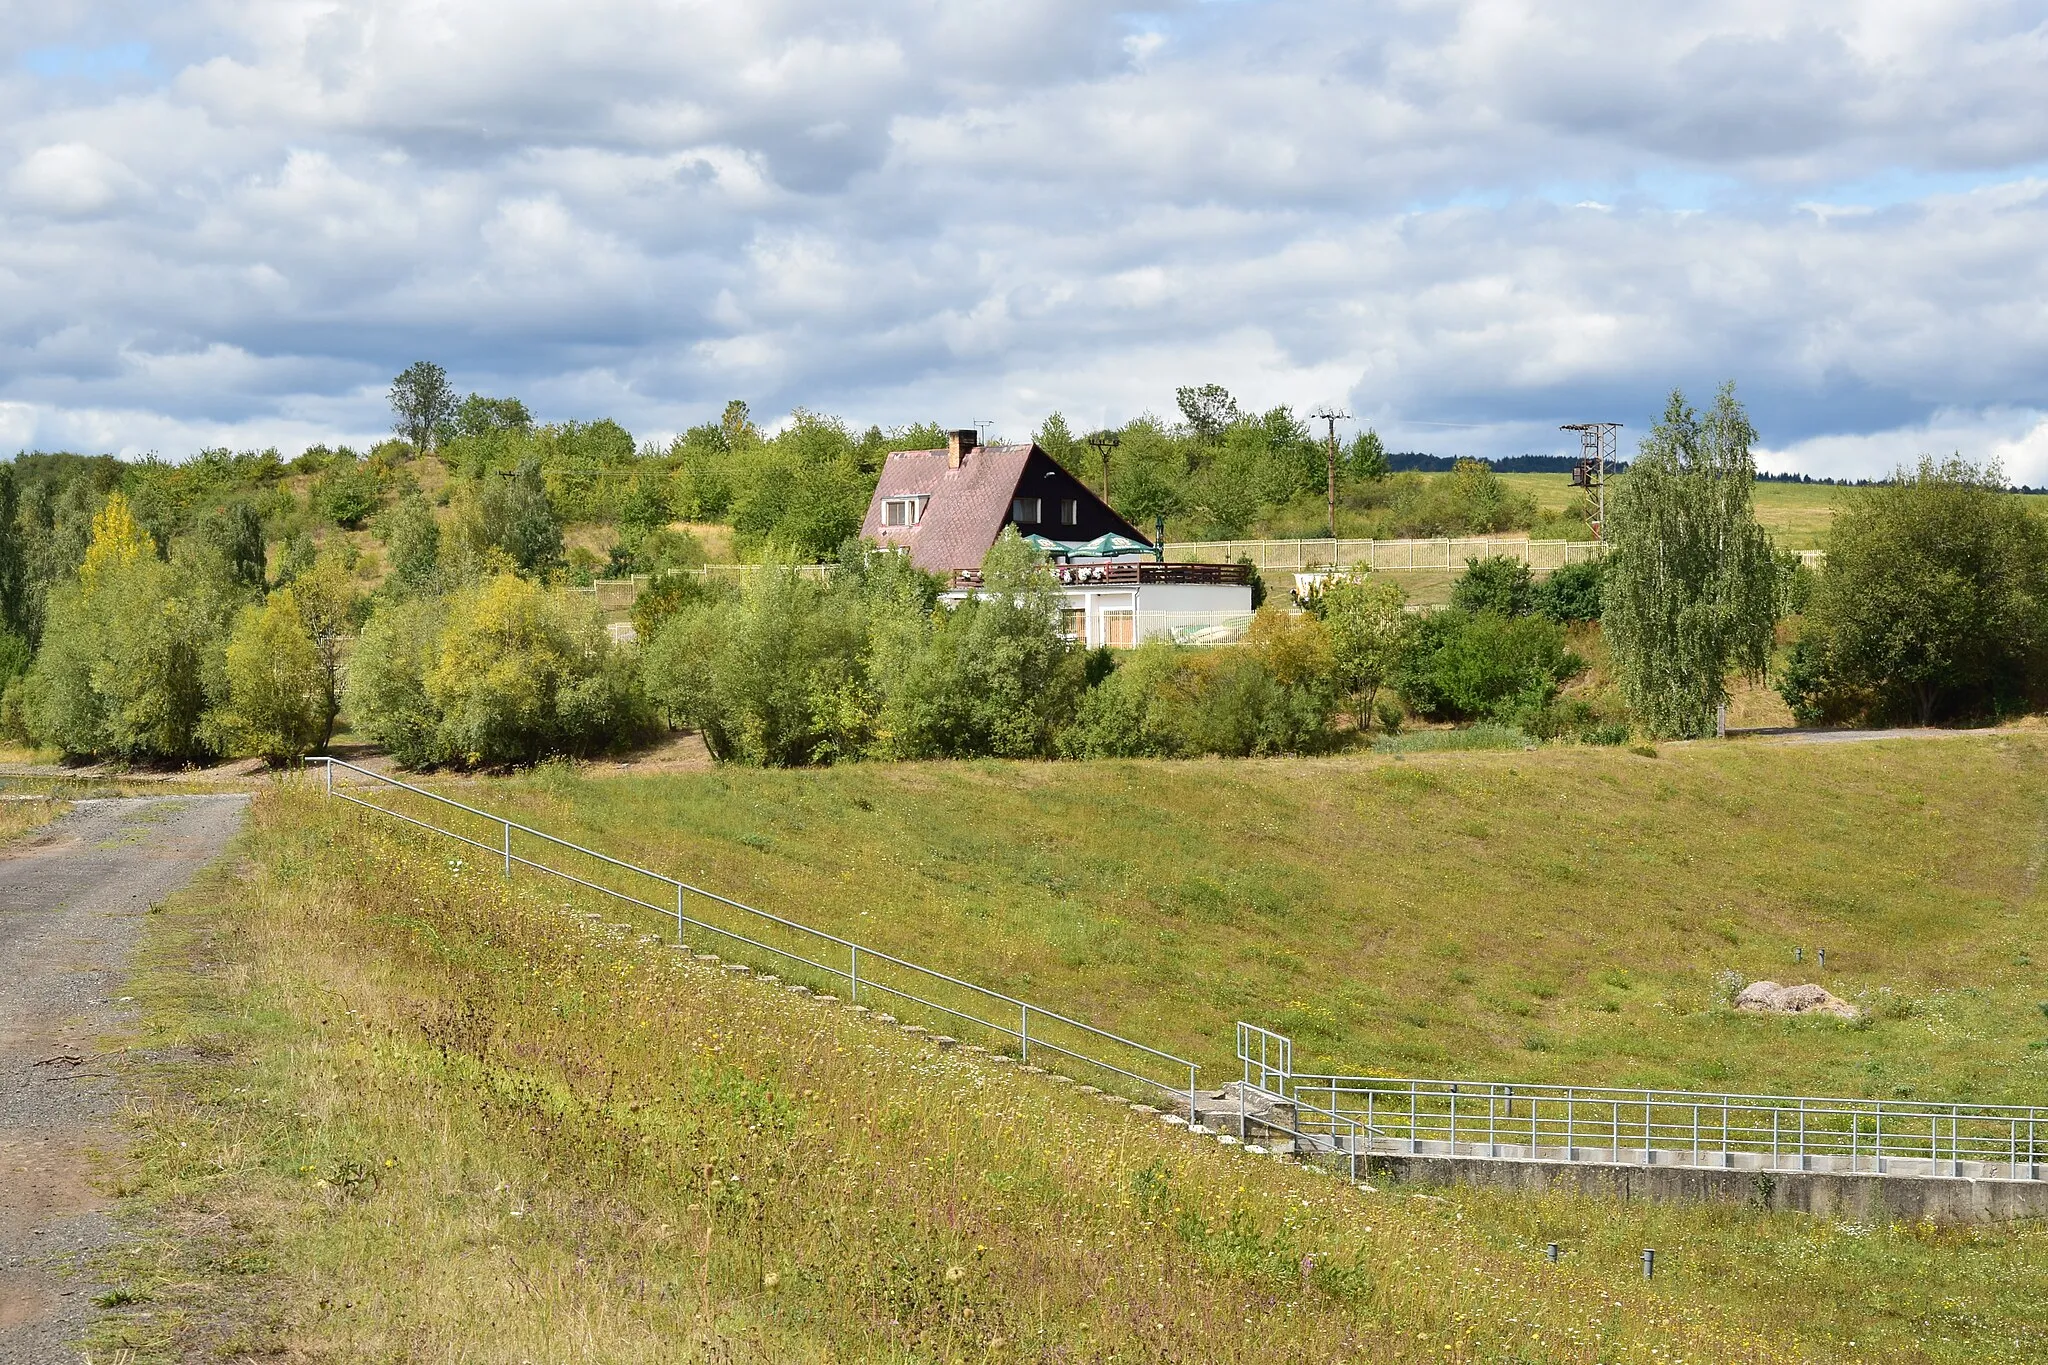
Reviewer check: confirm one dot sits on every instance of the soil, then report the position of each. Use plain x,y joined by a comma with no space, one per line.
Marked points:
72,900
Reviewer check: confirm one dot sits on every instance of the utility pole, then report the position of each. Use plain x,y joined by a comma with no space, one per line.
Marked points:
1332,416
1104,442
1596,448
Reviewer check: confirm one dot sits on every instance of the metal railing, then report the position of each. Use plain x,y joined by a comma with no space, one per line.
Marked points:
1037,1033
1625,1126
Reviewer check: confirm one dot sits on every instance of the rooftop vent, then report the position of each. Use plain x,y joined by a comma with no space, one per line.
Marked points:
958,443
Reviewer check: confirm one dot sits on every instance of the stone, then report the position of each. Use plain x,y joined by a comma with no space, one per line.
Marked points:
915,1028
1091,1090
797,990
1032,1070
1238,1107
857,1009
1173,1120
739,968
885,1018
1003,1057
1058,1079
826,999
1768,997
708,958
771,980
943,1041
1143,1109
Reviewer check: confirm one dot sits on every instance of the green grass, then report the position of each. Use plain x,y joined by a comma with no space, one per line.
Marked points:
399,1109
1566,913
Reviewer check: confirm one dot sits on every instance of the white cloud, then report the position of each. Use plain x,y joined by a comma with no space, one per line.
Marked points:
1468,220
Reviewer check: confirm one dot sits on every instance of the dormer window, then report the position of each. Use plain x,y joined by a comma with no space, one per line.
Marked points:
903,511
1024,511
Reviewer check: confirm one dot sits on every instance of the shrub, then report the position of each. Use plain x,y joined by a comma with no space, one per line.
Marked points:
1482,736
1464,665
1571,593
1498,584
413,535
1470,500
348,493
522,673
386,694
276,703
764,677
504,671
1270,695
129,660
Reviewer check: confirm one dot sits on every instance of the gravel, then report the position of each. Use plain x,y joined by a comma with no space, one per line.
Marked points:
72,898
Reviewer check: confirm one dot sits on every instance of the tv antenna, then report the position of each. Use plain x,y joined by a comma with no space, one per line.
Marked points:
1596,448
1104,442
1332,416
981,432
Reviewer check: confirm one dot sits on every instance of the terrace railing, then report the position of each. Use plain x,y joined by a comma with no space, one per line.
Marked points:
1624,1126
704,919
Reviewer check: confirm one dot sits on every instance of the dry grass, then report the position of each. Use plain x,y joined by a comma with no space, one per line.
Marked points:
431,1117
22,815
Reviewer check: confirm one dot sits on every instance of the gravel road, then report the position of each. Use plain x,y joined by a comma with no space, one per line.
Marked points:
72,897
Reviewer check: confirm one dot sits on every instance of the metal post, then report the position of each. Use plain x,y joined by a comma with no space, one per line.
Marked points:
1024,1029
1649,1262
1615,1155
1776,1114
1454,1120
1955,1145
853,976
328,767
1646,1131
1552,1253
1568,1124
1880,1137
1695,1134
508,848
1192,1118
1802,1135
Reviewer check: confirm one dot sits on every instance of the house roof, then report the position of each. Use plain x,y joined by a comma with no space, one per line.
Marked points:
967,506
967,509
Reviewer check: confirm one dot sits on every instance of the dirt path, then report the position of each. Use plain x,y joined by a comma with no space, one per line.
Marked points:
72,897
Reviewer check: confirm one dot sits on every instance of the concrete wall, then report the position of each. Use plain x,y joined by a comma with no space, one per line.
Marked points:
1855,1198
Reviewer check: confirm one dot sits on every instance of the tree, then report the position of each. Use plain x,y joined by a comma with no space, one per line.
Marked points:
277,692
1691,588
413,535
328,603
1209,409
386,691
1056,439
481,416
1461,665
423,403
117,541
15,607
234,531
1933,603
1368,627
1367,458
513,513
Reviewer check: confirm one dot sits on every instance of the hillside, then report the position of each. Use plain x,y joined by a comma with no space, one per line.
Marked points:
1560,914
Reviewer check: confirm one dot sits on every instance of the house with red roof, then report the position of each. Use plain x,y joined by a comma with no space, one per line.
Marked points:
945,508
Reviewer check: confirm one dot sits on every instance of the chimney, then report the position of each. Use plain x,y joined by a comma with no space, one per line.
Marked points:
958,443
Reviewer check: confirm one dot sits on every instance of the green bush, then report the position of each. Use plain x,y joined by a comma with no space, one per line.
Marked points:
275,702
1498,584
1571,593
1274,694
1470,500
1933,604
504,671
1463,665
130,660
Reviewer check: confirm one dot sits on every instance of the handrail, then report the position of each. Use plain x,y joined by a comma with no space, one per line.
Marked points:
1019,1030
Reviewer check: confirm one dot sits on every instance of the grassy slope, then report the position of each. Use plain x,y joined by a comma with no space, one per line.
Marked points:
1535,916
400,1113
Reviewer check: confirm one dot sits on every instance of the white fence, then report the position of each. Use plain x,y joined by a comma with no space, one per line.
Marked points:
1394,556
1444,553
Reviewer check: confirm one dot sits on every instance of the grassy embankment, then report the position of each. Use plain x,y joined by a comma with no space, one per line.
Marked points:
1561,913
424,1115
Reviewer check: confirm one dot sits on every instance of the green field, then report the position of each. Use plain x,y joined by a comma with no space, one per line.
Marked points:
395,1108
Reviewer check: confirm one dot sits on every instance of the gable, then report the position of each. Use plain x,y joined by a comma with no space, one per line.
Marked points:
964,509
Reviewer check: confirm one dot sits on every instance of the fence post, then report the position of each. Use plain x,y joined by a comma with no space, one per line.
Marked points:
508,848
1193,1118
1024,1029
679,912
853,976
328,766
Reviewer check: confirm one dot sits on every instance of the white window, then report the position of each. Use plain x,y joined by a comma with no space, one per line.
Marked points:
1024,511
903,511
1070,511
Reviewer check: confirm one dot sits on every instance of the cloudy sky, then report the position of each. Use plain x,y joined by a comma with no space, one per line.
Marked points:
231,223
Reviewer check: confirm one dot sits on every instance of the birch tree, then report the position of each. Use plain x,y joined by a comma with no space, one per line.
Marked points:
1691,592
